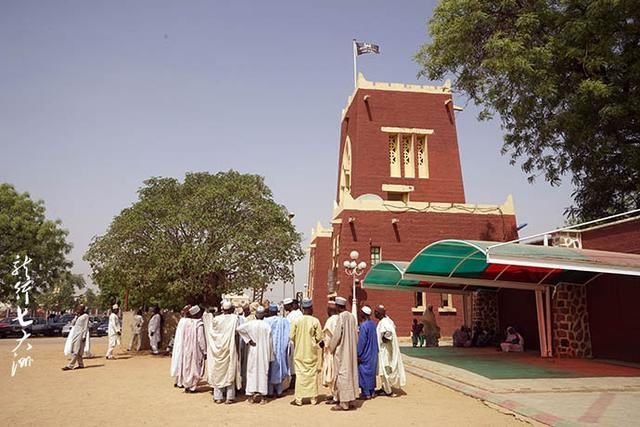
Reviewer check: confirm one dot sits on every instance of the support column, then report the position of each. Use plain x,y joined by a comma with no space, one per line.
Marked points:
542,332
547,310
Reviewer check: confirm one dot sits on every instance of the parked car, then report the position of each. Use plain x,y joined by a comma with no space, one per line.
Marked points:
103,329
66,329
6,327
40,326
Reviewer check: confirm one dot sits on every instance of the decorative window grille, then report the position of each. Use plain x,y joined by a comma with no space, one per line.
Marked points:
394,161
407,156
423,164
375,255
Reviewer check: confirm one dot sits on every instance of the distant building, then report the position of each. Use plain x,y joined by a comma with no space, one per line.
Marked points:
399,188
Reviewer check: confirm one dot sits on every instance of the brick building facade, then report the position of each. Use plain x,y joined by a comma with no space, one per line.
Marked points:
399,188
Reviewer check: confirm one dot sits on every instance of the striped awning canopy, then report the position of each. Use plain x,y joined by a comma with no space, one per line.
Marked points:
466,265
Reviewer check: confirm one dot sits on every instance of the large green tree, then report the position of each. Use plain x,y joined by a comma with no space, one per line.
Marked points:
200,238
25,231
564,78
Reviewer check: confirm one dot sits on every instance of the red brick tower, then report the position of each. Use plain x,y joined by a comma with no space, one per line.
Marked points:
399,189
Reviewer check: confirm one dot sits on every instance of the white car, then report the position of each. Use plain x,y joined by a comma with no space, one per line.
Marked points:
66,329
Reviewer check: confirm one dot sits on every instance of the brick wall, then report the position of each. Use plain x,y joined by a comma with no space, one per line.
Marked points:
370,155
401,243
319,265
622,237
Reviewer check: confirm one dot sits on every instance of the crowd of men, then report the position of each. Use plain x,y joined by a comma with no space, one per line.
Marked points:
262,353
264,350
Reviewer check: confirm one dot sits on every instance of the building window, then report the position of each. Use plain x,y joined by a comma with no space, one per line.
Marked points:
375,255
407,156
423,158
446,303
394,160
419,303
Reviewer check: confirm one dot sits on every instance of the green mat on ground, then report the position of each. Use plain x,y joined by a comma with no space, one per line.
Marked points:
498,366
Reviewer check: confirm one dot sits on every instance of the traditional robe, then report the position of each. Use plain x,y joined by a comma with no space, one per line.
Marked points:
306,334
194,348
390,366
292,316
223,358
68,344
367,357
327,357
258,356
279,367
113,332
154,331
343,345
176,354
77,336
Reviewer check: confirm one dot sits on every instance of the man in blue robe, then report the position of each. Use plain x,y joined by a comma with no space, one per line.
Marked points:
367,354
279,367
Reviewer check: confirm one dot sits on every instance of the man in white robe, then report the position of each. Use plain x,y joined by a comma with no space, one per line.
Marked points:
223,358
194,350
176,351
136,331
154,330
390,366
78,334
114,331
257,334
327,357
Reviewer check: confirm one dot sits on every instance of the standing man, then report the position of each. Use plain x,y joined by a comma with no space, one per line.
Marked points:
306,335
114,331
279,367
344,347
155,330
390,367
327,357
257,334
367,354
194,350
223,358
293,314
78,334
136,329
176,351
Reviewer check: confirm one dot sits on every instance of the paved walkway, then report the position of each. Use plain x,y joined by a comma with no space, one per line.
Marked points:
591,393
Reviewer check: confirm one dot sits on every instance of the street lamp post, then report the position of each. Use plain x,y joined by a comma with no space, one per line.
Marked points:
354,269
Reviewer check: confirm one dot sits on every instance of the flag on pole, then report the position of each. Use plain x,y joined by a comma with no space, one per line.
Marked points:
363,47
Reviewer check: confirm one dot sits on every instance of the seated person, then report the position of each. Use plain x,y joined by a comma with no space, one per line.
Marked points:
462,337
513,341
480,337
416,333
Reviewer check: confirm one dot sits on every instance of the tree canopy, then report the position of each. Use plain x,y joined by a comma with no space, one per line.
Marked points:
563,76
25,231
61,296
206,236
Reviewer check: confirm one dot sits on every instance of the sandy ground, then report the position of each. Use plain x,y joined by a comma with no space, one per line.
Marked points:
137,390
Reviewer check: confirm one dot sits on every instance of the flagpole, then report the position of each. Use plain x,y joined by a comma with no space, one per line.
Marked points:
355,65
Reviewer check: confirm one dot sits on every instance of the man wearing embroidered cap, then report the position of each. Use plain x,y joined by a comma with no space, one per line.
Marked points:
114,331
344,346
306,335
279,366
257,334
223,362
194,350
367,354
390,367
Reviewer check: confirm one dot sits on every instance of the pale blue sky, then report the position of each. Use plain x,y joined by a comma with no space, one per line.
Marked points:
97,96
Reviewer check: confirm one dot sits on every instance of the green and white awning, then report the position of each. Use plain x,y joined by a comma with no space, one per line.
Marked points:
466,265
